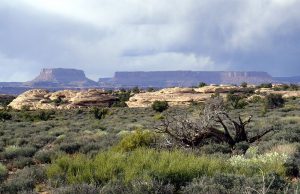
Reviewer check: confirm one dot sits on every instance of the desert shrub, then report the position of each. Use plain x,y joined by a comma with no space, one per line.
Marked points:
44,115
150,89
3,172
213,148
41,115
294,87
4,116
160,106
236,101
256,99
70,148
265,85
175,167
135,90
44,156
244,84
21,162
202,84
269,162
24,180
123,96
78,189
137,187
230,183
274,101
241,147
203,185
99,113
11,152
135,140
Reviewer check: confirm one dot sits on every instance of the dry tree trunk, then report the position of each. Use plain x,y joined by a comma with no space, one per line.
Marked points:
193,132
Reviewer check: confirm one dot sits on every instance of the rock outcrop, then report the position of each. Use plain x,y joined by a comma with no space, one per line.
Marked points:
60,77
66,99
285,94
180,96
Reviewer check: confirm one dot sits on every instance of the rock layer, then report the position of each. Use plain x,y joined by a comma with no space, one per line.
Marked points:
180,96
65,99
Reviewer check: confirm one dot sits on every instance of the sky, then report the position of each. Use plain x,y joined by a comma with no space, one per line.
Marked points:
104,36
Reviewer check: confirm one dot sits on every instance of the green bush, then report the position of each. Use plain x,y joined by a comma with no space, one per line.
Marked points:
160,106
21,162
265,85
135,140
44,156
70,148
274,101
99,113
202,84
175,167
4,116
24,180
11,152
236,101
244,84
3,172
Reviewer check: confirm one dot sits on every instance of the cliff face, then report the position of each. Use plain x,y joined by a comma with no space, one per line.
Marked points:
61,77
184,78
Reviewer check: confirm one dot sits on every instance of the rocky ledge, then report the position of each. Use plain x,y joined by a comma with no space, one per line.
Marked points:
65,99
181,96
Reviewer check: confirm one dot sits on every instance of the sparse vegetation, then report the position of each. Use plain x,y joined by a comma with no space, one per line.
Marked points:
107,150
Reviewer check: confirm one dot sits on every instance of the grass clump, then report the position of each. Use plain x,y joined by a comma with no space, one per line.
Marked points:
136,139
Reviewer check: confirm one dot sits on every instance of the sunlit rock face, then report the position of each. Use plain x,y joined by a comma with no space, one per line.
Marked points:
65,99
181,96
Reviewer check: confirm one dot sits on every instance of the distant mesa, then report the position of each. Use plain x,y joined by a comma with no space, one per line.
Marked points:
163,79
60,77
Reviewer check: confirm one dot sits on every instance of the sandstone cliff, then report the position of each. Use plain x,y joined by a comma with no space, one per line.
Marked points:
66,99
60,77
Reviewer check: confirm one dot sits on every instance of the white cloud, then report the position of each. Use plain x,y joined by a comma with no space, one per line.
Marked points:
103,36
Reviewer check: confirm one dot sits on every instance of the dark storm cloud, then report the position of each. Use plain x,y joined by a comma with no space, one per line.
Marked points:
108,35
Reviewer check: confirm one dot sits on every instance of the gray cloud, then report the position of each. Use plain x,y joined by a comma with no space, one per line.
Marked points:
103,36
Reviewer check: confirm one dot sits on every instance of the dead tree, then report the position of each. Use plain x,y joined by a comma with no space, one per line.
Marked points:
214,122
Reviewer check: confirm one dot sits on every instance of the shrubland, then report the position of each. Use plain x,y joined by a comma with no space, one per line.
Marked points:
125,150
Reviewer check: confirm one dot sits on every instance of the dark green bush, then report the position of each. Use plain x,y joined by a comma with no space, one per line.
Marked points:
160,106
4,116
3,173
244,84
70,148
15,151
202,84
99,113
265,85
274,101
236,101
